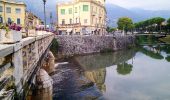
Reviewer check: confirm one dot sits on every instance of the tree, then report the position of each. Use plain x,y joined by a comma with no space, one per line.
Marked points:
168,24
168,21
159,21
110,30
125,23
153,24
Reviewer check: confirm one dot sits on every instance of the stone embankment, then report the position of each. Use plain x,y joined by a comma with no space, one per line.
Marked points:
71,45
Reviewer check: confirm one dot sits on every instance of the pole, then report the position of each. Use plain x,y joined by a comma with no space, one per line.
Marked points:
51,21
44,15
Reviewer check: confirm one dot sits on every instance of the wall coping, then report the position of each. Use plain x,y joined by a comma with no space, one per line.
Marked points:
6,49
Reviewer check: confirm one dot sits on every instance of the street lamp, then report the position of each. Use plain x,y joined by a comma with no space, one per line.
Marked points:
44,13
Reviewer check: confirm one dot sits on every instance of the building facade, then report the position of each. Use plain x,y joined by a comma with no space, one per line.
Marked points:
12,11
32,21
82,17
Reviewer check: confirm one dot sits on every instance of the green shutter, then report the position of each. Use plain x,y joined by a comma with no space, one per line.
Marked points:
62,11
75,9
70,11
85,7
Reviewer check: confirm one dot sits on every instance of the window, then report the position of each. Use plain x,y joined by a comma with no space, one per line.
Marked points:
63,21
9,21
18,10
75,9
18,21
63,11
1,9
96,9
1,19
70,21
70,11
92,8
85,21
85,7
92,20
8,9
96,20
76,20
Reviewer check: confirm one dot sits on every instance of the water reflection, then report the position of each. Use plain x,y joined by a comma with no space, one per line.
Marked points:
124,68
95,65
97,61
140,73
98,77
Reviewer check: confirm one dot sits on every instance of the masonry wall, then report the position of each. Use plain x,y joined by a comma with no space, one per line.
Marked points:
70,45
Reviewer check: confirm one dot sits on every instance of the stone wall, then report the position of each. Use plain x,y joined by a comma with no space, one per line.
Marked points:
70,45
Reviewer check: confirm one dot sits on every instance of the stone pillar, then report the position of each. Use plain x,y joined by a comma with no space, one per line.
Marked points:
18,70
49,64
44,86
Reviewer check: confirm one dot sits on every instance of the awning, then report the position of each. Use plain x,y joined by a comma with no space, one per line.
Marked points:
78,30
69,30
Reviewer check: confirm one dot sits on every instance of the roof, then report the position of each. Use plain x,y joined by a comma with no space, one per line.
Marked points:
13,2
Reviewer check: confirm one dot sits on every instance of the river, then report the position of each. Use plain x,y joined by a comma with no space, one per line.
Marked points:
138,73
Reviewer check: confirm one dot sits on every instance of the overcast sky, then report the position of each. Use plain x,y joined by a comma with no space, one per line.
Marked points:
144,4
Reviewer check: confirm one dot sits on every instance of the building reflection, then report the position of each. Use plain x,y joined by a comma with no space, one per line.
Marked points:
94,66
98,77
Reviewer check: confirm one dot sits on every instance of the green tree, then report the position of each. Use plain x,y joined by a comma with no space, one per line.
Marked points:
159,21
125,23
109,29
168,21
168,24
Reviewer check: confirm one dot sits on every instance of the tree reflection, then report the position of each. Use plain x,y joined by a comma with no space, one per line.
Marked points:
168,58
124,68
152,54
165,48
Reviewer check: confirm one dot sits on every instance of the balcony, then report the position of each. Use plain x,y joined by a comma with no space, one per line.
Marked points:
69,25
94,13
100,15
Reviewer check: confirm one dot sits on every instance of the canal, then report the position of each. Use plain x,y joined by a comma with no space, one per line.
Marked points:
138,73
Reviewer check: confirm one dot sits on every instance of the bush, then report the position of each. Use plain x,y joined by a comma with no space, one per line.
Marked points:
54,47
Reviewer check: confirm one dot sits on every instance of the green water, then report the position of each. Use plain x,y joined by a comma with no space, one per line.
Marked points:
139,73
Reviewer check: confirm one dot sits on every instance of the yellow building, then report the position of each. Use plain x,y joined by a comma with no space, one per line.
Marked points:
32,21
82,17
12,11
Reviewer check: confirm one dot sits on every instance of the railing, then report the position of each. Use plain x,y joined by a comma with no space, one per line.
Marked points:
69,25
18,61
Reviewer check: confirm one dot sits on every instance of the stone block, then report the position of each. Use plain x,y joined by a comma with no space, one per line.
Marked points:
40,32
32,33
10,37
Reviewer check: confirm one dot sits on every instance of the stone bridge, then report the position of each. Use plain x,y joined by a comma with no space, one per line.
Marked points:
26,64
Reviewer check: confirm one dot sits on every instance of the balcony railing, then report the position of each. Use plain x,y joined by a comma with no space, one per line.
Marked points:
69,25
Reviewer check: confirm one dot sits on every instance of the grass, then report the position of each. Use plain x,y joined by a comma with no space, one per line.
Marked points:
165,39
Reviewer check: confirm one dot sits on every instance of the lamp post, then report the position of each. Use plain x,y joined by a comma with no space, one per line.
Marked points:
44,13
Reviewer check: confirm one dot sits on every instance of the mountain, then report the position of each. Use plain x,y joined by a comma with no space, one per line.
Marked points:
151,13
114,12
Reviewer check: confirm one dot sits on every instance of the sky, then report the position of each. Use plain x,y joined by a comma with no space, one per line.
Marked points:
143,4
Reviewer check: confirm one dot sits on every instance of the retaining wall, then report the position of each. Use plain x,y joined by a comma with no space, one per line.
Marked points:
70,45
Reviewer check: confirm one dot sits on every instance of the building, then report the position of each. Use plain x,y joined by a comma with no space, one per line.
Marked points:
12,11
32,20
82,17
